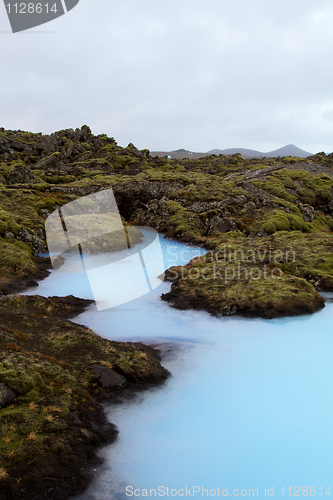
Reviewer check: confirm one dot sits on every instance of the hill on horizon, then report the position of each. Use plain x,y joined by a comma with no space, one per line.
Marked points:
288,150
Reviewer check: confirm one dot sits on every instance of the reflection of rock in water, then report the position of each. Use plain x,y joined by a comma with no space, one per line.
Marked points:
58,262
113,242
106,487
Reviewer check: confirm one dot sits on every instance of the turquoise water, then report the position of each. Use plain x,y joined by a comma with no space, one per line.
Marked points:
249,406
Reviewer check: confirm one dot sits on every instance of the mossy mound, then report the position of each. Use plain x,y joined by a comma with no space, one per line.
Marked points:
19,269
267,277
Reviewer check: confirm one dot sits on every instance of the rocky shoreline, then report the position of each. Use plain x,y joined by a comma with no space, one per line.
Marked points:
19,284
55,375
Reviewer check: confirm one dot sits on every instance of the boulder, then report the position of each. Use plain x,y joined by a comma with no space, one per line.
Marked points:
222,224
52,162
9,235
47,144
308,212
36,240
107,376
85,132
7,396
20,174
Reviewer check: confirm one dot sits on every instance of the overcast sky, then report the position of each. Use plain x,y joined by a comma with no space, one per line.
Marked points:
170,74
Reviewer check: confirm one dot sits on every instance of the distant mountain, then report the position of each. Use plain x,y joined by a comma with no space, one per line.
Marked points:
289,150
250,153
179,154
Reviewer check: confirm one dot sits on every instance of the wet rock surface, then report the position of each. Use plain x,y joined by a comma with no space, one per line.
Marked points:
6,396
108,377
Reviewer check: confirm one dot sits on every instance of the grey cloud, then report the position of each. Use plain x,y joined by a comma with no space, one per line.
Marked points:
167,74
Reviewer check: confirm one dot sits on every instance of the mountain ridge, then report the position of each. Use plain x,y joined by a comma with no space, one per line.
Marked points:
288,150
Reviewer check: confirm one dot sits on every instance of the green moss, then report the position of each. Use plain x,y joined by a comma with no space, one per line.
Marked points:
292,159
110,148
296,222
41,408
15,379
8,224
269,227
316,189
16,260
60,179
28,137
5,168
280,220
271,221
123,161
275,186
321,223
181,221
47,202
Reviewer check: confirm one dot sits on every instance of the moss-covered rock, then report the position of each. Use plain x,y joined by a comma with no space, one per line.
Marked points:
268,276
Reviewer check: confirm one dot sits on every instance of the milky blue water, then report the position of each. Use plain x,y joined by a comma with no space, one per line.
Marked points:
249,405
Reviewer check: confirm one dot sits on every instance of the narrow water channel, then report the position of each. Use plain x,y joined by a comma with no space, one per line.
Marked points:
248,411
